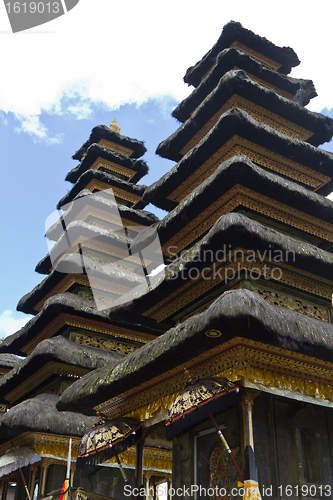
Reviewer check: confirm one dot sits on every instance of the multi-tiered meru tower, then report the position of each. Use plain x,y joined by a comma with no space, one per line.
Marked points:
248,287
69,336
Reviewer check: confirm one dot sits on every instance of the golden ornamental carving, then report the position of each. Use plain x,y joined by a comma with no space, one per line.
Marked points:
78,323
263,157
125,196
268,85
220,272
277,298
258,113
237,358
113,168
49,369
107,219
115,147
240,196
256,55
104,344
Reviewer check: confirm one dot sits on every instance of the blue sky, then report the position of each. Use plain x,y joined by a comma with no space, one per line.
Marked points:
104,60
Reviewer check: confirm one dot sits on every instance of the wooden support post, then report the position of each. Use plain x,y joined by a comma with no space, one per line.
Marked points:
250,471
33,468
4,489
139,463
42,481
73,468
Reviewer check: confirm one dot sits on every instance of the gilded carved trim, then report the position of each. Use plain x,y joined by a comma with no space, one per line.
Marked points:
119,193
220,272
268,85
258,154
241,196
82,323
234,359
258,113
104,344
61,287
101,163
256,55
39,376
119,252
277,298
106,216
115,147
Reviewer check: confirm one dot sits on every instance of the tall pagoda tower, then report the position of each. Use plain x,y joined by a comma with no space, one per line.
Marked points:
247,291
86,270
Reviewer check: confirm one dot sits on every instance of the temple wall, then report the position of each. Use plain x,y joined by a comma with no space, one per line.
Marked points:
293,443
198,453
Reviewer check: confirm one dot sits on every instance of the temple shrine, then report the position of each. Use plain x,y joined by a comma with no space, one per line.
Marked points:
245,297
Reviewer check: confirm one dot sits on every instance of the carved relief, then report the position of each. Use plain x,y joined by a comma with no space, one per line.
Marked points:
105,344
295,304
258,113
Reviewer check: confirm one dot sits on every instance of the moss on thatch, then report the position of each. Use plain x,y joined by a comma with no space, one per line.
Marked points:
40,414
67,303
58,350
237,313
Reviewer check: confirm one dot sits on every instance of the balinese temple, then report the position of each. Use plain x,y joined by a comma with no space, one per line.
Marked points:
245,297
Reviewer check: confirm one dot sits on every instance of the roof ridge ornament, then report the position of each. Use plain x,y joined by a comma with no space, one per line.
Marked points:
114,126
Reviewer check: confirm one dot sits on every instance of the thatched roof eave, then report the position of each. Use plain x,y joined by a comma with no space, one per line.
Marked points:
234,31
103,132
237,313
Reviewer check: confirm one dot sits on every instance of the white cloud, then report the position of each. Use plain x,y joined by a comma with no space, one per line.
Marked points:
127,52
37,130
9,323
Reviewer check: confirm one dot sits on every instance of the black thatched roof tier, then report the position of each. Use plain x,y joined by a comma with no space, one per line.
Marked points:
108,278
238,313
74,306
128,169
101,132
105,206
8,362
93,242
56,350
236,89
300,91
79,232
192,276
127,192
40,414
264,192
234,32
236,132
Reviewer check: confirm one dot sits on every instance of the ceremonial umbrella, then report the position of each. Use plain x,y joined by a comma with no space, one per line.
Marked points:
106,440
199,400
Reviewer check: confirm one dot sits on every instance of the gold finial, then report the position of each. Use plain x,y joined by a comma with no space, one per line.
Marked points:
114,126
